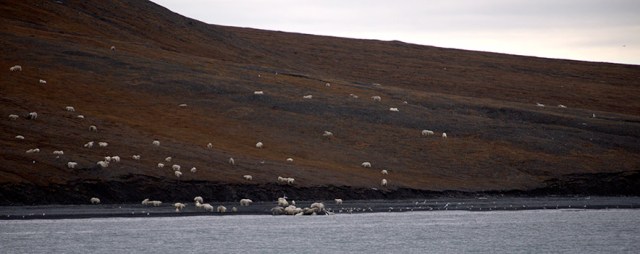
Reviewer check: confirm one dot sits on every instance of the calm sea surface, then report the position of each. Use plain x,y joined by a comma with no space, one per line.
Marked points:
527,231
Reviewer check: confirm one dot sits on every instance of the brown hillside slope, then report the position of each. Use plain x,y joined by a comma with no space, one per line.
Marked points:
498,139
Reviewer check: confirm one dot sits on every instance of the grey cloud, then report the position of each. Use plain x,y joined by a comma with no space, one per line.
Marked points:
597,23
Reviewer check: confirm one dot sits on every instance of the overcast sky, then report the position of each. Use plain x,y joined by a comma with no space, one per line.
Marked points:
592,30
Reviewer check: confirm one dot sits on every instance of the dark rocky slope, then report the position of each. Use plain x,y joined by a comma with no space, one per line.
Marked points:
498,139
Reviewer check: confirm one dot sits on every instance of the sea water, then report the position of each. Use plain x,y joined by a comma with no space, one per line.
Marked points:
525,231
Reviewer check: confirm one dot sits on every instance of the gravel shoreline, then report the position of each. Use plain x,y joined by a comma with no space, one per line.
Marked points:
349,206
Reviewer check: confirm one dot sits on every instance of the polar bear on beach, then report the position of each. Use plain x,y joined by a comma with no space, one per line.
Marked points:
245,202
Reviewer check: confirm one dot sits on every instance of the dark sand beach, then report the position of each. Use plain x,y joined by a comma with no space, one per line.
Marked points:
480,204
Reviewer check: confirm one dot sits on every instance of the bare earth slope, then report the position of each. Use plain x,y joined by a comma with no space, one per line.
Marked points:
497,138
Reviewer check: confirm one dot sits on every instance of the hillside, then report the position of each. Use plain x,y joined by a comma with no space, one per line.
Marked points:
498,139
